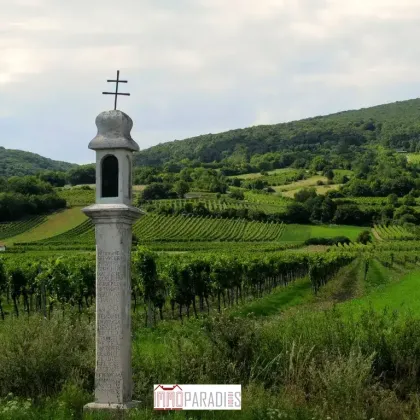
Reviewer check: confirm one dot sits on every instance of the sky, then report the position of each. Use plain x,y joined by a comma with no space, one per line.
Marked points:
195,66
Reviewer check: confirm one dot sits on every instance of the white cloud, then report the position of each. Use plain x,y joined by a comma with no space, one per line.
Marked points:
194,66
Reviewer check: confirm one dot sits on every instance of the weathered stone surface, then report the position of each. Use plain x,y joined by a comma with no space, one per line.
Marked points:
111,407
114,129
113,376
113,217
124,176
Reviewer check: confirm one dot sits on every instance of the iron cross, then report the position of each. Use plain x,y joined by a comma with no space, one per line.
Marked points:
116,93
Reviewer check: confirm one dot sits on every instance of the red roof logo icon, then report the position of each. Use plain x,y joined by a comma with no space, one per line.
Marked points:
168,388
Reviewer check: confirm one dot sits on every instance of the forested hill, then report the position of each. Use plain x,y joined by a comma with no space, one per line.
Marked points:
19,163
395,125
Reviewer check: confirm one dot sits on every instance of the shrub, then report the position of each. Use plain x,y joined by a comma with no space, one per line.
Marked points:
38,356
237,194
364,237
328,241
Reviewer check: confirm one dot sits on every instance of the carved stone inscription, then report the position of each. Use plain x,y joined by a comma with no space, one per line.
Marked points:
111,293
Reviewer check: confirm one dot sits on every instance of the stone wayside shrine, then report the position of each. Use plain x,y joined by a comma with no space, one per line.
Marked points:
113,216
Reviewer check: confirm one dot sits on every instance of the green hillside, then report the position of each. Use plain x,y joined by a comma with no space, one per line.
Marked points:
395,125
20,163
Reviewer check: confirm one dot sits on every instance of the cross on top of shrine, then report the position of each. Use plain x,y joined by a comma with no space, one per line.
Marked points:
116,93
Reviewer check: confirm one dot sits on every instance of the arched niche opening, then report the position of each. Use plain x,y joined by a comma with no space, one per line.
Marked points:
109,172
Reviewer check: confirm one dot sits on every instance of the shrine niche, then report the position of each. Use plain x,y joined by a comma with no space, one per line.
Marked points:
109,174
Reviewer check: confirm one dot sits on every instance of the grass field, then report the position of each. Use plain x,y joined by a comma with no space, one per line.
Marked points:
281,299
310,182
342,172
71,227
53,224
282,171
413,157
320,189
297,233
289,190
295,358
402,295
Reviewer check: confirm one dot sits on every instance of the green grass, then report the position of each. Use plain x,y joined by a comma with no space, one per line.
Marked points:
309,182
413,158
279,300
54,224
255,175
308,365
62,229
378,276
10,229
342,172
298,233
402,295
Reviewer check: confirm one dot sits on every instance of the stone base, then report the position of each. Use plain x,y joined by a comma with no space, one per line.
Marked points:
110,407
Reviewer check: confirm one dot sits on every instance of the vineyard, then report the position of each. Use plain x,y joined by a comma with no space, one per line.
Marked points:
208,279
77,196
52,224
192,282
392,233
258,202
155,228
181,233
10,229
275,203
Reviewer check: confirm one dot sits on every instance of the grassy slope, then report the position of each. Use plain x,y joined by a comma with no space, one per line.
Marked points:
403,295
61,222
54,224
413,157
297,233
309,182
279,300
383,288
255,175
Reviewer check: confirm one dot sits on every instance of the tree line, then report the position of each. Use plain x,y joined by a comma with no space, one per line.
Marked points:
27,196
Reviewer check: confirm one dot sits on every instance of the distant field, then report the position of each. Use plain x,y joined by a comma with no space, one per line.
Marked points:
297,233
78,197
413,157
323,189
310,182
53,224
347,172
290,190
72,228
254,175
320,189
155,228
262,202
10,229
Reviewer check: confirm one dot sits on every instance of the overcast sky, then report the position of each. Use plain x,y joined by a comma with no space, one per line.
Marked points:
195,66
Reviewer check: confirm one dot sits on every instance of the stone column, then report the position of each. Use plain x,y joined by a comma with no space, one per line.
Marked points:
113,216
113,377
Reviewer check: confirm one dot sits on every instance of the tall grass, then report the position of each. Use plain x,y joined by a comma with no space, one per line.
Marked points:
309,366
